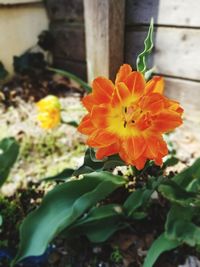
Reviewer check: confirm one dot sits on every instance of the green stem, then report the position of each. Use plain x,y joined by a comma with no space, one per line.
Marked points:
70,75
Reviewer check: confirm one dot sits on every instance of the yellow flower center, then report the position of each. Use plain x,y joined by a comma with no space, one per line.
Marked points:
131,115
128,119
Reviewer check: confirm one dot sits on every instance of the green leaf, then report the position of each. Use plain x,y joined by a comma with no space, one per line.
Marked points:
91,161
176,194
29,63
188,176
179,225
63,175
72,123
160,245
9,150
139,215
92,164
61,208
73,77
3,71
100,223
1,220
149,73
83,170
91,158
140,197
113,161
148,46
170,162
105,164
136,200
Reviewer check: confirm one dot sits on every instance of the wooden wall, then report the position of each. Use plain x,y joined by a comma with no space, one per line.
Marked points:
177,44
67,26
177,41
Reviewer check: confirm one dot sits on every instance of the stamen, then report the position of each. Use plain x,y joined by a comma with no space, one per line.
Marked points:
125,123
133,121
125,109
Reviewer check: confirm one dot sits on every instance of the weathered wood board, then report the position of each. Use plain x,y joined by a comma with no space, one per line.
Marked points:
67,28
104,24
187,93
70,41
165,12
176,50
67,10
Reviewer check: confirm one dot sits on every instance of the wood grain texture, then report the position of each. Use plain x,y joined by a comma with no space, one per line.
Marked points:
175,54
67,10
165,12
187,93
69,41
104,24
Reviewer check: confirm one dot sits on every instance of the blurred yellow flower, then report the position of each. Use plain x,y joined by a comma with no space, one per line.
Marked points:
49,109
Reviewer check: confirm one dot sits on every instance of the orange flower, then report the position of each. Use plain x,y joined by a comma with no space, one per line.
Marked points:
49,112
129,118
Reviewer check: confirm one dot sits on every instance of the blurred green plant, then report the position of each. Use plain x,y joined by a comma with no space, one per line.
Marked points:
3,72
73,77
9,150
182,224
29,63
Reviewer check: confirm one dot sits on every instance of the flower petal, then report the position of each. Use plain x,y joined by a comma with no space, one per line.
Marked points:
156,146
155,85
102,93
89,101
120,95
107,151
123,72
103,89
152,102
99,115
140,162
86,126
134,147
135,83
173,105
101,138
158,161
166,121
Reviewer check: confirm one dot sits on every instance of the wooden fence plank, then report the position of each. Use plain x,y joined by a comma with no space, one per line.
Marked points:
104,22
67,10
166,12
176,50
69,41
187,93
